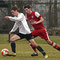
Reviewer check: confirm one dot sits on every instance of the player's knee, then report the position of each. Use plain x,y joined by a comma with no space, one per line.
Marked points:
33,44
11,39
49,42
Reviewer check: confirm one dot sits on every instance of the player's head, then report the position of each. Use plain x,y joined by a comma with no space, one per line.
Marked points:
27,9
14,11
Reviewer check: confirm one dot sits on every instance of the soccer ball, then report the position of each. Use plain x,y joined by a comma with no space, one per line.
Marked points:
4,51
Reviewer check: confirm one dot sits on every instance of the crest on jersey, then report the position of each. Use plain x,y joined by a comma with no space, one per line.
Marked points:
32,16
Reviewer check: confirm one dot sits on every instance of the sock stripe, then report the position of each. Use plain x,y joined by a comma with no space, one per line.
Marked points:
53,44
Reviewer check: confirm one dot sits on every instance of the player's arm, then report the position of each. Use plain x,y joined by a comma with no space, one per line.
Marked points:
39,17
41,20
18,18
14,28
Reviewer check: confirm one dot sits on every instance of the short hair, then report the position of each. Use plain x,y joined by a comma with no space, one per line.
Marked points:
27,6
15,8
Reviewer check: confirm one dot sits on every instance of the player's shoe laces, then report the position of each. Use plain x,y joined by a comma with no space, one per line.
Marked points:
11,54
46,56
34,54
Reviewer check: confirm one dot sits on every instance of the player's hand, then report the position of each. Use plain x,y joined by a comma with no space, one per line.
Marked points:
10,33
34,22
6,17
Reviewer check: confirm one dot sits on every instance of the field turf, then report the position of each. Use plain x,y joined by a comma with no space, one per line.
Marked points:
24,50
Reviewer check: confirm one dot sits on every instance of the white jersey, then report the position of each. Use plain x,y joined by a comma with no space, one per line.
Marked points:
21,23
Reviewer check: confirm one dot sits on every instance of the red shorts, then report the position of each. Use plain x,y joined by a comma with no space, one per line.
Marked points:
42,33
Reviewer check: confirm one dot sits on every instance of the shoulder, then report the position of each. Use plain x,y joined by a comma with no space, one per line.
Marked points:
37,14
21,14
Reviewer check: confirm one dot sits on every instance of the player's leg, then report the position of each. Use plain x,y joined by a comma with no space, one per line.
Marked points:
13,45
12,40
46,37
30,38
35,33
35,50
33,43
52,43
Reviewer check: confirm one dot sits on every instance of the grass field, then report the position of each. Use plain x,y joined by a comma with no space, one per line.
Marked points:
24,50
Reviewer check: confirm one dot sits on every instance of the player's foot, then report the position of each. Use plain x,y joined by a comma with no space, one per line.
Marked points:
46,56
34,54
58,48
11,54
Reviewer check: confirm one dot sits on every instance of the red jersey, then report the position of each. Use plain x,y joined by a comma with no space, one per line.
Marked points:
35,16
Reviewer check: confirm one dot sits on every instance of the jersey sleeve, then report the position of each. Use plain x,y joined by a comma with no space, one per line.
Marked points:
37,15
14,28
19,18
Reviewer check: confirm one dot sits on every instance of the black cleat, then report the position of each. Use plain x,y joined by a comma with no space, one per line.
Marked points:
34,54
58,48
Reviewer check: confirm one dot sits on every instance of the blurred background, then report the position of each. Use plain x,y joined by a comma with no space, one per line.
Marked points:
49,9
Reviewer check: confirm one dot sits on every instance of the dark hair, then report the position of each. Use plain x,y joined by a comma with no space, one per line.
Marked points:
27,6
15,8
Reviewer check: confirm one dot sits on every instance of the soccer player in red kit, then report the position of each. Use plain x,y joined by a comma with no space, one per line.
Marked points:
39,30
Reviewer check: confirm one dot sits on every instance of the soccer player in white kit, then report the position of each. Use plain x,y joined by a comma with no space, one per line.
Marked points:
24,31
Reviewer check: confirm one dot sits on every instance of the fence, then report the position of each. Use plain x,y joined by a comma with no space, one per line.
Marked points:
49,9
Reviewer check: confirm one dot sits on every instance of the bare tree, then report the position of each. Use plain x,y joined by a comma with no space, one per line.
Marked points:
50,15
55,14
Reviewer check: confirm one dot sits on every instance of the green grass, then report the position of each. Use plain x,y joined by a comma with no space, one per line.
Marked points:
24,50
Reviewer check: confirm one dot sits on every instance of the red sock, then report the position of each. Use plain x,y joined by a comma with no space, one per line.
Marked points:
34,48
55,45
